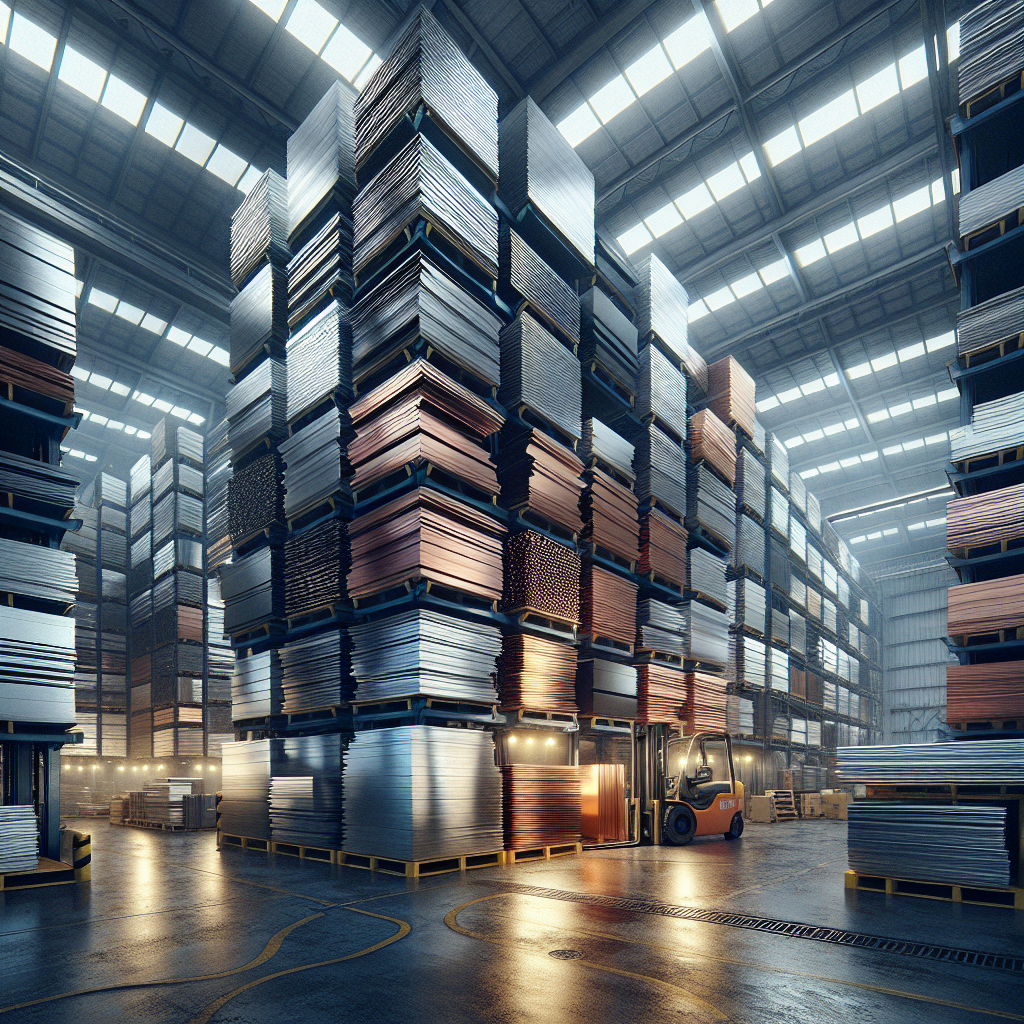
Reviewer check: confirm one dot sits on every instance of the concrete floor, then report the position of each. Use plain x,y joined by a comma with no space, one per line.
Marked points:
170,929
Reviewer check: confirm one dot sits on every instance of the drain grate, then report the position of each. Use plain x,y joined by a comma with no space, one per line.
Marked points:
790,929
565,954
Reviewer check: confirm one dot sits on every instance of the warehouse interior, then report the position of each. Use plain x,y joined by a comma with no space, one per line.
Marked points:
511,511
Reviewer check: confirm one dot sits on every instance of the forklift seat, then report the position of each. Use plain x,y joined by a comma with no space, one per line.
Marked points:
705,792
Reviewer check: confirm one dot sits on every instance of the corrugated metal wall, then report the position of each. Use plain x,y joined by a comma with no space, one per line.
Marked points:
914,655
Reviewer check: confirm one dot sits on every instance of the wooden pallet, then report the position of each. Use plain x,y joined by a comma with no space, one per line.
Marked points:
991,232
990,353
785,804
513,857
988,896
992,96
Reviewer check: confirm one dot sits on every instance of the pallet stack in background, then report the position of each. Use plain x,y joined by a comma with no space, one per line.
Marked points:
140,609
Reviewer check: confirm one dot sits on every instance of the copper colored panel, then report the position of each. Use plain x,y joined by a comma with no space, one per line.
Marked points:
537,674
713,442
985,693
663,548
663,694
538,473
540,805
610,515
988,518
33,375
731,394
603,810
987,606
609,605
708,694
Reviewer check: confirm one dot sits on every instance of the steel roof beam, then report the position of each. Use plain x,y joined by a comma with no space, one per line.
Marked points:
486,49
934,91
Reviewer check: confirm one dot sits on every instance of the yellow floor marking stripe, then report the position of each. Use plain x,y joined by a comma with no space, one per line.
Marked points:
269,950
676,952
404,928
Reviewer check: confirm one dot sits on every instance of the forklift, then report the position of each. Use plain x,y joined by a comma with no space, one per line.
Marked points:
700,794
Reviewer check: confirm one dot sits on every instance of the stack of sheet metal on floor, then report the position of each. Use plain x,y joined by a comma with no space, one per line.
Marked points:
306,798
746,666
438,796
527,278
608,339
540,805
986,606
707,576
608,606
712,506
320,360
254,497
661,627
539,373
747,601
316,563
991,44
994,426
539,474
662,548
661,391
988,323
259,316
316,464
37,666
423,652
536,673
610,515
981,519
712,441
259,227
707,632
321,270
606,688
965,764
540,170
731,394
253,591
542,576
662,693
316,671
256,407
19,838
256,686
991,692
660,470
708,702
246,769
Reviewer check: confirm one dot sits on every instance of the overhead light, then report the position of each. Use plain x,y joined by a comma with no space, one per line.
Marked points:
345,53
688,41
273,9
913,68
717,299
228,166
579,125
153,324
100,381
251,176
635,238
163,406
746,285
368,70
829,118
735,12
695,201
164,125
728,180
774,272
810,253
650,70
872,223
914,203
143,398
178,336
782,146
664,220
102,299
750,168
841,238
126,311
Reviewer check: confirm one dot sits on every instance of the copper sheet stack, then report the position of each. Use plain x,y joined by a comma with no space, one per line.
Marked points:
604,810
537,673
540,805
713,442
988,518
610,515
609,605
33,375
542,576
708,701
430,536
539,474
991,692
662,548
662,694
731,391
985,607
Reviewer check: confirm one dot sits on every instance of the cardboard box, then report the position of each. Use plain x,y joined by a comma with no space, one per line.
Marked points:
760,809
834,805
810,805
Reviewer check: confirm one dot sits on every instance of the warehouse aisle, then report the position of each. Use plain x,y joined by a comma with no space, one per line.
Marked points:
300,941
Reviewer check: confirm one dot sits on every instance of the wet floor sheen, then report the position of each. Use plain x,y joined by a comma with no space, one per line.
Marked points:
171,929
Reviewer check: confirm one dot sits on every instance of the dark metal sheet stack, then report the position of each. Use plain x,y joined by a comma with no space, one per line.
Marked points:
661,627
37,481
256,686
37,666
542,576
708,697
661,391
662,693
256,407
661,470
608,338
608,606
539,474
316,671
259,228
253,591
707,632
991,47
748,605
316,563
246,770
316,466
320,361
540,805
32,570
537,674
712,506
662,548
530,280
320,272
963,764
606,687
254,497
259,316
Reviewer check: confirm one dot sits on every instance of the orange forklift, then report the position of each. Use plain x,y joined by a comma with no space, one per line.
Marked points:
700,793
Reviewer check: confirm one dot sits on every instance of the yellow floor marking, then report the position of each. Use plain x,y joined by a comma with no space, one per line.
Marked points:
204,1016
263,885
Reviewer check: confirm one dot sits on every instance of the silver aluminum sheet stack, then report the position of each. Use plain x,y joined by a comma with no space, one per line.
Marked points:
780,626
317,671
422,792
163,559
991,46
662,310
797,539
259,227
110,490
777,664
316,564
606,688
19,838
706,575
37,667
425,652
252,590
256,407
601,442
35,571
994,425
539,372
779,512
426,68
660,469
321,270
608,337
320,360
218,476
797,634
707,632
750,482
991,202
259,316
531,279
140,479
254,497
798,591
746,665
798,492
961,844
171,441
417,300
963,764
660,390
246,769
315,463
420,183
813,513
175,512
988,323
661,627
748,605
40,481
540,169
305,798
321,157
256,686
712,505
778,460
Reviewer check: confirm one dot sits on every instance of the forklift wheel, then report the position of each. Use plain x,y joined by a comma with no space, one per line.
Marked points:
680,825
736,827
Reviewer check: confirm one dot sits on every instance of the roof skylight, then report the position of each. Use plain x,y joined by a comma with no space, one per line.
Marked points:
82,74
32,42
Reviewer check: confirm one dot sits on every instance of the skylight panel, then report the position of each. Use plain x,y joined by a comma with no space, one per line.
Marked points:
251,176
272,8
911,352
774,272
695,201
814,435
5,17
789,396
829,467
194,144
808,474
853,460
812,387
143,398
121,99
164,125
82,74
909,446
831,380
100,381
219,355
834,428
782,146
226,165
178,336
651,69
635,238
767,404
916,526
204,348
794,442
883,362
948,395
900,410
368,69
144,435
154,324
97,418
827,119
664,220
909,205
939,342
953,41
874,222
688,41
881,86
858,540
913,68
878,416
612,99
79,373
579,125
841,238
893,449
131,431
852,424
346,53
889,531
159,403
717,299
924,403
120,389
115,425
860,370
697,310
195,419
734,12
746,285
936,438
32,42
938,192
126,311
311,24
728,180
749,167
102,299
181,412
810,253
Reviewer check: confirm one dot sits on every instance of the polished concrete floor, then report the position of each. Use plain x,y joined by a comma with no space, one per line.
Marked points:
170,929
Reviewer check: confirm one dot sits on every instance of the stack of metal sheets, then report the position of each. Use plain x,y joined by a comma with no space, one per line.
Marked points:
425,68
36,571
540,169
712,506
608,338
746,666
707,576
172,441
316,563
798,492
662,548
315,464
797,540
425,652
537,674
994,426
961,844
797,633
661,390
37,667
539,373
246,769
661,628
780,625
256,407
34,375
731,394
976,608
813,513
259,316
662,693
426,535
259,227
176,511
321,157
305,798
614,266
420,184
777,665
606,688
707,631
995,200
662,310
610,515
256,686
320,360
991,46
747,601
414,301
316,671
661,469
608,605
986,324
529,278
984,692
542,576
19,838
963,764
778,461
540,805
321,270
252,590
713,442
601,443
708,697
254,497
422,792
538,473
